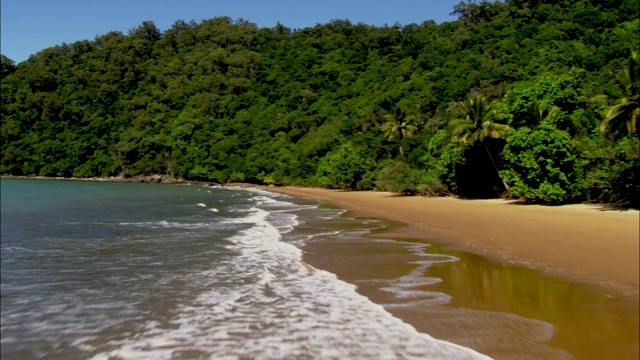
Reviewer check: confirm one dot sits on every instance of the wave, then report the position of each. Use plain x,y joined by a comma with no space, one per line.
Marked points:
281,308
174,225
184,283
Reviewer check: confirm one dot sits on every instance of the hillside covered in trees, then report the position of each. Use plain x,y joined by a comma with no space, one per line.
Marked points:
535,100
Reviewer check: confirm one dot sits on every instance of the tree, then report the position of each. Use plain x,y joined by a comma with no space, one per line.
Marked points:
147,30
526,103
627,108
540,113
340,169
399,125
543,165
472,12
7,66
478,125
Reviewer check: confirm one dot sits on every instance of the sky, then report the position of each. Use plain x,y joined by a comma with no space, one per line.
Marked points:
28,26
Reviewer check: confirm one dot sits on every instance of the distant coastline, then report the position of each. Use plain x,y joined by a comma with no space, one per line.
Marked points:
164,179
154,179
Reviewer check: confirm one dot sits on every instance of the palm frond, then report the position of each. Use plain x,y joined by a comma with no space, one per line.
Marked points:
626,109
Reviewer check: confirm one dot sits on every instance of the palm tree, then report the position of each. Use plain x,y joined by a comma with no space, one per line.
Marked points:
626,109
399,126
541,112
478,125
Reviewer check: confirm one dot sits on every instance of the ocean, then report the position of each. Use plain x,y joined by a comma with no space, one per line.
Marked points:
99,270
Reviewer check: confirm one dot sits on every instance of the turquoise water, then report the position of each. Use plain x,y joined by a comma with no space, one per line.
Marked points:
151,271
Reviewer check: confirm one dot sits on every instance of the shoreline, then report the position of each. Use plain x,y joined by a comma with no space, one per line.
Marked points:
500,303
159,179
587,244
590,244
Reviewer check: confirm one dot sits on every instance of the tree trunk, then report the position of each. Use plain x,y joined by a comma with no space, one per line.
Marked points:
506,186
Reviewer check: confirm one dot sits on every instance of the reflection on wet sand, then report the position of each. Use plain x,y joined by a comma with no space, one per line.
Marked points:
503,311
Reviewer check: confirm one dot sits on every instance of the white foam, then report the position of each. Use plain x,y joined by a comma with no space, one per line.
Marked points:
213,209
407,289
175,225
280,307
14,249
201,205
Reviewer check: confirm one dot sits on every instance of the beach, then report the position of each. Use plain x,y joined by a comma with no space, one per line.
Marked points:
538,283
531,281
589,244
105,270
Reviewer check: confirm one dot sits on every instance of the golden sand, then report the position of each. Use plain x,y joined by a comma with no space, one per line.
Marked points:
585,243
533,282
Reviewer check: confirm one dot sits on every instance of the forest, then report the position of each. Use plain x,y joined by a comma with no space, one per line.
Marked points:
535,100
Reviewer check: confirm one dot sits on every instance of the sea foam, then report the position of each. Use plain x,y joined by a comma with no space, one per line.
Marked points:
281,308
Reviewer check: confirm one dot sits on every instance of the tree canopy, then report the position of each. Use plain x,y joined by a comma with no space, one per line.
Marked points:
336,104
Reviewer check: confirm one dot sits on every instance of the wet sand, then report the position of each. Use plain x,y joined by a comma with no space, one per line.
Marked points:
542,283
584,243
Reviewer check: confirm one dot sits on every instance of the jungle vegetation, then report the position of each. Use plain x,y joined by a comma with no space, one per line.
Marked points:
536,100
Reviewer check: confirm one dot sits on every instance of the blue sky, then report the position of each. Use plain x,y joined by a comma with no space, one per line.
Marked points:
28,26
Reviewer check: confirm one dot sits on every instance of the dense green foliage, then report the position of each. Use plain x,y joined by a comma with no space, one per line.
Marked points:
543,165
344,105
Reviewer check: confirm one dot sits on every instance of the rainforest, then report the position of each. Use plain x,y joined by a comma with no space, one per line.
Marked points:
535,100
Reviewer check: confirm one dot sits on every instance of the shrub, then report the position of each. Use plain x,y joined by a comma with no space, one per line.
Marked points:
340,169
543,166
397,177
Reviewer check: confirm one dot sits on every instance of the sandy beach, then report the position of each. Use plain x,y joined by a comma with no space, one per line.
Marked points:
525,282
533,282
590,244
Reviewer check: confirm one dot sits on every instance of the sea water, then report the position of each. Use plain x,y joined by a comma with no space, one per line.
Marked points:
94,270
